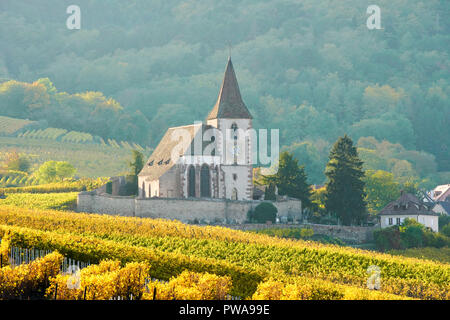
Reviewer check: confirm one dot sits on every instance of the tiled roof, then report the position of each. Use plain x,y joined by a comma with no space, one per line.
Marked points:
443,192
229,104
407,204
160,161
445,205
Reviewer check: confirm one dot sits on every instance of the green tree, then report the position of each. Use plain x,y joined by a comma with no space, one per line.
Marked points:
380,188
345,194
17,162
135,166
264,212
137,163
269,193
52,171
291,179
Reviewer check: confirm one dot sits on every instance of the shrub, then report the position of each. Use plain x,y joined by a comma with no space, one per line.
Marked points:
29,280
306,232
410,234
264,212
446,230
131,186
191,286
387,239
444,220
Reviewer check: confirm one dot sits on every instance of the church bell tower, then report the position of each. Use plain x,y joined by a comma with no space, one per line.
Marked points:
232,118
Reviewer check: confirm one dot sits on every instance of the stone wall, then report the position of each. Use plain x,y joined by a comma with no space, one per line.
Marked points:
349,233
186,210
94,202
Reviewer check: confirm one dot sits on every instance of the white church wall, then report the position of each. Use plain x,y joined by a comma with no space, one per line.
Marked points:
241,184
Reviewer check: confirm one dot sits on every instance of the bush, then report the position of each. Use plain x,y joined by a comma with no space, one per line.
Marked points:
306,232
387,239
410,234
412,237
446,230
444,220
264,212
131,186
192,286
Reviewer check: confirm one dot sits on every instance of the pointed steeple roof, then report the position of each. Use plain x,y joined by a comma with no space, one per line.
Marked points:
229,104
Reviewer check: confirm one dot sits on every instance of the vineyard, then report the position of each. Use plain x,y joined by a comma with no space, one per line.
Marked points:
435,254
85,184
62,135
302,269
57,201
91,160
9,126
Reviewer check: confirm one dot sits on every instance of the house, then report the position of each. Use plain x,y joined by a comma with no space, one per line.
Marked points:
442,208
205,160
408,206
441,193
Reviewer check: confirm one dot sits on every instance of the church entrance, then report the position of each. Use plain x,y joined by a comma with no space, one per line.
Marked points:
205,182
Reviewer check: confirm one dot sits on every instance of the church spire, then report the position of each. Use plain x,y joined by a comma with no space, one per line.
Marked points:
229,104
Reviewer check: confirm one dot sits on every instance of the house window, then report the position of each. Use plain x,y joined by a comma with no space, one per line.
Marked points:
390,221
149,190
205,181
143,189
191,182
234,176
398,221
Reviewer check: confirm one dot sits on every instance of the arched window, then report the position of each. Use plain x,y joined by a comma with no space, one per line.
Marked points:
143,190
205,182
234,195
191,182
150,190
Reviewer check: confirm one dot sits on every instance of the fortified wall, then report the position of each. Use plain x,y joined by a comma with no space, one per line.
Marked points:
204,211
349,233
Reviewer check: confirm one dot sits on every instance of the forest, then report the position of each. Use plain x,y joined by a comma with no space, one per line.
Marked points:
309,68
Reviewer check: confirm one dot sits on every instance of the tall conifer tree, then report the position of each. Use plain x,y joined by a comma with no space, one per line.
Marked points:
345,186
291,179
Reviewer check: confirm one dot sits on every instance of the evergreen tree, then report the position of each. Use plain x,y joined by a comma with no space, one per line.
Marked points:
345,186
269,193
291,179
138,162
136,166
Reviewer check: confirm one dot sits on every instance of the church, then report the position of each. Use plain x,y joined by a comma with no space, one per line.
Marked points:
210,159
